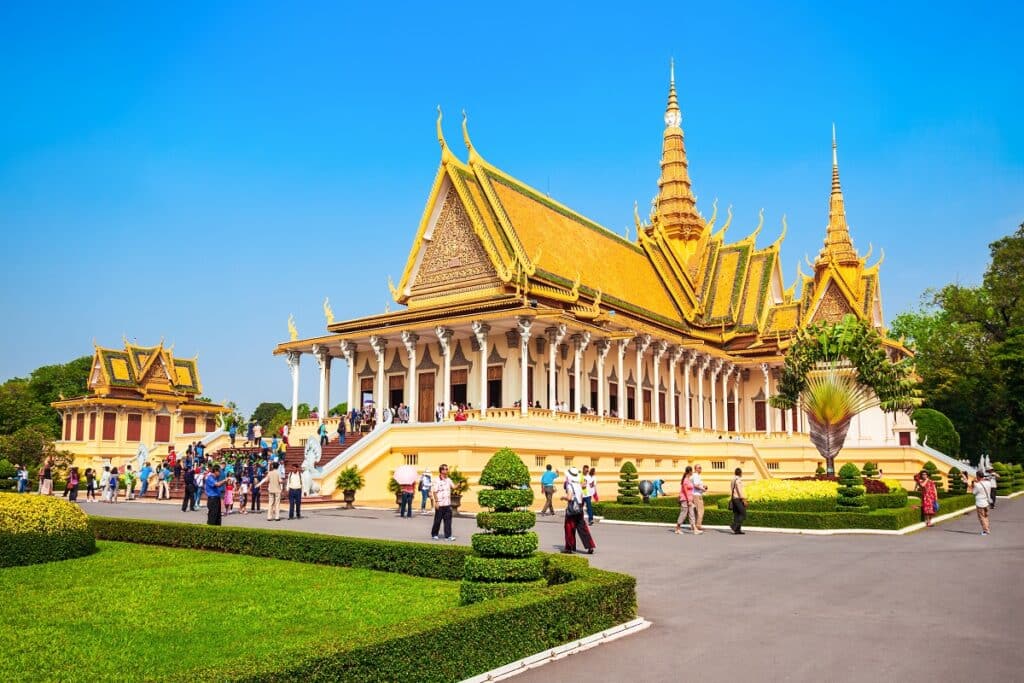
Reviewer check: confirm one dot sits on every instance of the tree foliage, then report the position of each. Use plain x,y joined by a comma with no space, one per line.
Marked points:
969,346
26,401
265,412
937,431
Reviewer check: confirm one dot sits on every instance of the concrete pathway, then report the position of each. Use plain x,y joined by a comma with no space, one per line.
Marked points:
944,604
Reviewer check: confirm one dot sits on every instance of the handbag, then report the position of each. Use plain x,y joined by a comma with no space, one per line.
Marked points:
935,506
573,508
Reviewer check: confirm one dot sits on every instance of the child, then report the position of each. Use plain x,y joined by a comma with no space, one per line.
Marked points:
104,483
229,495
243,495
90,484
112,486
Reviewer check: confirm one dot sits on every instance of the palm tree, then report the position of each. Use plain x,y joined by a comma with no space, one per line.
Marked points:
831,399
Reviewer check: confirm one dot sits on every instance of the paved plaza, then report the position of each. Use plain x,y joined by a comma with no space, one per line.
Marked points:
938,605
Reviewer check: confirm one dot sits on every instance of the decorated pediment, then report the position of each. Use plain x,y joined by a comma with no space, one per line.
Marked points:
832,306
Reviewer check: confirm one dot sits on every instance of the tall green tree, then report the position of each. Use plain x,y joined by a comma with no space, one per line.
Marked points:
25,402
265,412
969,346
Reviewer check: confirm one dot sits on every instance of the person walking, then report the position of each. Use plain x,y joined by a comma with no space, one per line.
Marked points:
575,522
257,479
993,479
405,506
699,489
73,484
273,483
426,483
980,489
295,492
929,497
197,479
737,502
144,474
232,433
90,484
22,479
547,486
441,496
112,485
212,484
687,507
104,484
129,483
591,483
341,429
46,478
322,431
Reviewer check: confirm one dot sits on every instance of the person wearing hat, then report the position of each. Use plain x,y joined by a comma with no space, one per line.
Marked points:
426,482
574,511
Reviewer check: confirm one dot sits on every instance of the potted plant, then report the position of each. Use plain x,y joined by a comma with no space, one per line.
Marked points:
460,484
395,488
349,481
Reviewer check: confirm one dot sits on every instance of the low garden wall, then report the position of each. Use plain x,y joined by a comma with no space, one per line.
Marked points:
452,645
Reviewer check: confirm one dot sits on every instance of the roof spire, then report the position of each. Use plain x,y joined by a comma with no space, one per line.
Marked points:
676,207
838,245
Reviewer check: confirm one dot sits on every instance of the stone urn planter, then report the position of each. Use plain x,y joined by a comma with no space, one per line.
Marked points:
350,498
349,481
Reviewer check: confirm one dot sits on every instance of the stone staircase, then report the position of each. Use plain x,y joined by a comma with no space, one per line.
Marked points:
295,454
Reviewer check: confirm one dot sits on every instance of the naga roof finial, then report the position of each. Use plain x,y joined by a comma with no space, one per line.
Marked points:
465,136
445,152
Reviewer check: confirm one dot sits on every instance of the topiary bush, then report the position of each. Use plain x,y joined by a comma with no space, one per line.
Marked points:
1018,477
851,492
36,529
936,431
956,483
629,489
504,562
819,470
870,470
1004,483
934,475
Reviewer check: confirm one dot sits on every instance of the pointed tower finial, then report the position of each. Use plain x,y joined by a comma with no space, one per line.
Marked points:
675,208
838,246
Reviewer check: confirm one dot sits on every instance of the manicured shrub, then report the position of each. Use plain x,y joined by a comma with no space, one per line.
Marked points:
880,501
956,483
7,469
1018,477
936,431
36,529
819,470
629,489
893,485
874,485
933,474
507,499
851,492
578,601
504,568
1004,482
782,490
870,470
506,534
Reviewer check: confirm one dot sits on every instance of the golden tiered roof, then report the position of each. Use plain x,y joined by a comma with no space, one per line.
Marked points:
485,235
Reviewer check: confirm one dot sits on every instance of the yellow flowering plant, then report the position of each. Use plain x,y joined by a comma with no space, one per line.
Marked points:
37,529
782,490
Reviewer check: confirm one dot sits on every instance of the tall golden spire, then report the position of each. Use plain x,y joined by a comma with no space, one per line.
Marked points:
676,209
838,246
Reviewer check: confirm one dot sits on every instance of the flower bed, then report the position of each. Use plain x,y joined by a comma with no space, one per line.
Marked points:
782,490
577,601
35,529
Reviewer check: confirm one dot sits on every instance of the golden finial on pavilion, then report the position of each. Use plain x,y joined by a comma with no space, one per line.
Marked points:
394,290
293,332
782,235
465,136
446,153
328,312
714,215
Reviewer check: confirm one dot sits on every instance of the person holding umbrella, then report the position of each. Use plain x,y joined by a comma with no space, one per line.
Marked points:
406,476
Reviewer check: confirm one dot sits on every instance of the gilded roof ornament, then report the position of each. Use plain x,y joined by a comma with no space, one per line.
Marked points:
328,312
465,137
714,215
395,294
782,235
293,332
446,154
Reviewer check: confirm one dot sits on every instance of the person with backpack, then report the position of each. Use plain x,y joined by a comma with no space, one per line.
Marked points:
426,482
737,502
575,520
73,484
112,485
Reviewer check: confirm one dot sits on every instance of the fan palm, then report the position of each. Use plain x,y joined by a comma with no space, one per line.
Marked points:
831,399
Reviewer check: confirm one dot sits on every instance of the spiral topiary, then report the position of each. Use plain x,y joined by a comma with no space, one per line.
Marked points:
956,483
1018,477
504,560
629,489
933,474
36,529
1004,481
851,493
870,470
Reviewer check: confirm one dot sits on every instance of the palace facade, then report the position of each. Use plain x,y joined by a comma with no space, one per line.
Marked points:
136,395
538,316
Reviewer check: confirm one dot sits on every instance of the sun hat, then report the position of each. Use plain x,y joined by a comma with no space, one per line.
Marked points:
573,472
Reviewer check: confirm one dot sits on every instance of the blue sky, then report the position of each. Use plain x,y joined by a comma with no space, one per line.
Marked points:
199,171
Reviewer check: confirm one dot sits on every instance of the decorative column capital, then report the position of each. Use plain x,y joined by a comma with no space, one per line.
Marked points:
764,370
603,347
348,349
623,345
580,341
555,334
674,353
524,325
660,346
444,337
716,367
409,339
642,342
379,344
293,358
705,362
322,355
480,330
689,357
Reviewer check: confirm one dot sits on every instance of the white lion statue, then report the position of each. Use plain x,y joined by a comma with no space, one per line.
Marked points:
310,457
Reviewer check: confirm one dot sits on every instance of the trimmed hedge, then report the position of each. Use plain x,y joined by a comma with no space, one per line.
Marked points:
851,491
504,568
493,545
884,518
956,483
475,591
505,498
1004,484
710,500
578,601
37,529
629,489
519,520
794,505
879,501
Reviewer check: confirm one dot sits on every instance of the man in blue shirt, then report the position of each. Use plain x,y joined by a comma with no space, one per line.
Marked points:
211,486
547,485
144,474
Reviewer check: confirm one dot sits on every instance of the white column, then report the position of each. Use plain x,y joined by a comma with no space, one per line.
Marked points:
623,391
800,415
767,393
580,342
323,361
690,357
603,347
409,339
659,351
674,354
736,400
555,336
348,350
380,346
292,359
444,338
524,324
716,368
727,369
480,330
701,371
642,342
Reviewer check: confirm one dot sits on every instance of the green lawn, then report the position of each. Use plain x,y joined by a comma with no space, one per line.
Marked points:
136,611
